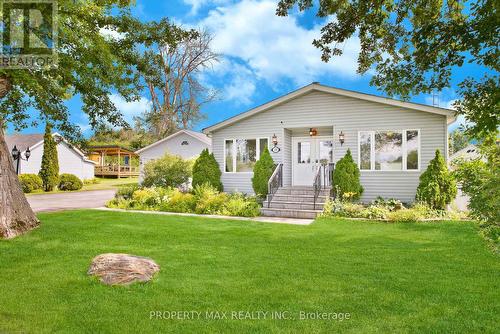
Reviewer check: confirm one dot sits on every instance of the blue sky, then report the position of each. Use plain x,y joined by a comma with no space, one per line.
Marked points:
264,56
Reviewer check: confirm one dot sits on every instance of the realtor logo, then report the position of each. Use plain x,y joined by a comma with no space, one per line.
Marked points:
28,34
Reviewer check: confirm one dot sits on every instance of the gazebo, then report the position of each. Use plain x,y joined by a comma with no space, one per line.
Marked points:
114,161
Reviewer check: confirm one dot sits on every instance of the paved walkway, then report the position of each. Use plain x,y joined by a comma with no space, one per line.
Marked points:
277,220
70,200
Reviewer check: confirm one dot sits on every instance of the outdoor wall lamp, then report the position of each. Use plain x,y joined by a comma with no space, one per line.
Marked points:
274,140
16,155
313,132
341,138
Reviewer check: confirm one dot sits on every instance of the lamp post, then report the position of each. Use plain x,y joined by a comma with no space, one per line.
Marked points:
16,155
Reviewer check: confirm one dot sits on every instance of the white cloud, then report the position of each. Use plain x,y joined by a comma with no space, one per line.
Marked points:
275,48
196,5
130,109
241,83
109,32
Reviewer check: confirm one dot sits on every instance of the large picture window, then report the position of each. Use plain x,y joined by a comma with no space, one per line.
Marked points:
242,154
389,150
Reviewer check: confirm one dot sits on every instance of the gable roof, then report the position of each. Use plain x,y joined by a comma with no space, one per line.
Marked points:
23,142
196,135
450,114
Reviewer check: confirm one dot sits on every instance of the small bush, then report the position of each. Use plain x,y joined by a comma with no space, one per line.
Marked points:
390,204
69,182
375,212
30,182
346,178
206,170
437,186
405,216
208,199
239,205
168,171
147,198
126,192
262,172
179,202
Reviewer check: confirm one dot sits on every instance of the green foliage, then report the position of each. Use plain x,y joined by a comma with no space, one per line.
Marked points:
458,140
49,171
208,199
262,172
390,204
405,216
92,181
30,182
408,45
135,138
346,178
480,181
204,199
437,185
69,182
126,192
168,171
206,170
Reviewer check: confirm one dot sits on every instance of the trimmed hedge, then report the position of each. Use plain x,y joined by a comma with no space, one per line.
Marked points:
262,172
69,182
30,182
346,178
206,170
437,186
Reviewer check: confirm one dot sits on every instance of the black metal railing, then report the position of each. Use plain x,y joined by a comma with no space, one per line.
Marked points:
317,184
274,183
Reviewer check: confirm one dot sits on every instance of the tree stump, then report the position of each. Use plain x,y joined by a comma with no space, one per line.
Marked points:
122,269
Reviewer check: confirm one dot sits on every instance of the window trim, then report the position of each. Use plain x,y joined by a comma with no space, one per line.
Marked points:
403,148
257,144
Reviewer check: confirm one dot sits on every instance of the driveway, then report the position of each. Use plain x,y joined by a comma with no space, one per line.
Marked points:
70,200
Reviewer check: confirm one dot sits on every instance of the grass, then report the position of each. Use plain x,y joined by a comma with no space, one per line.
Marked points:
420,278
104,184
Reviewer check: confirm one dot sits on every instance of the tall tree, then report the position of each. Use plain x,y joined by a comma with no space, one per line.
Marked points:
172,75
458,140
49,170
92,65
414,47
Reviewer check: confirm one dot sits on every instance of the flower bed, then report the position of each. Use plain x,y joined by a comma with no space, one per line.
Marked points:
387,210
204,199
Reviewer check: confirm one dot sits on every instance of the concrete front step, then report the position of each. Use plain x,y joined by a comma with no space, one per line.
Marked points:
301,191
298,198
296,205
289,213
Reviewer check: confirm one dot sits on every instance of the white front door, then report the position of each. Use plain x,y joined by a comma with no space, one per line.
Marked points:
307,152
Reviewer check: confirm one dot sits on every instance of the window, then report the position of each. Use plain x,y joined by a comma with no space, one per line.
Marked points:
241,154
304,152
326,150
389,150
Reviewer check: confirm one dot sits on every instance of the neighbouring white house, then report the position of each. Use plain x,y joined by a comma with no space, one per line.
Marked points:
71,159
307,131
185,143
471,152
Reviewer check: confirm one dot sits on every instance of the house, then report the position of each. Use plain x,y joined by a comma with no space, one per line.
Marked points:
114,161
185,143
310,129
71,159
471,152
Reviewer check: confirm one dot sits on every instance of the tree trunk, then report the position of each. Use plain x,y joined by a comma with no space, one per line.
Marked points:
16,215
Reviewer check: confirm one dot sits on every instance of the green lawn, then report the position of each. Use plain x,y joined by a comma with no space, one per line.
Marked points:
428,277
104,184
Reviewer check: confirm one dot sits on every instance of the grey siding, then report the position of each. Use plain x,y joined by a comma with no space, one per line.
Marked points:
346,114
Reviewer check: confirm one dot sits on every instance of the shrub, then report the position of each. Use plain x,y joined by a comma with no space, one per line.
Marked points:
239,205
262,172
437,186
168,171
346,178
208,199
152,197
405,216
375,212
126,192
390,204
179,202
206,170
30,182
49,170
69,182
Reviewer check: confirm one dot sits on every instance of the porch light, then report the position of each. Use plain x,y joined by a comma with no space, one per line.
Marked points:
15,152
27,154
274,140
341,138
313,132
